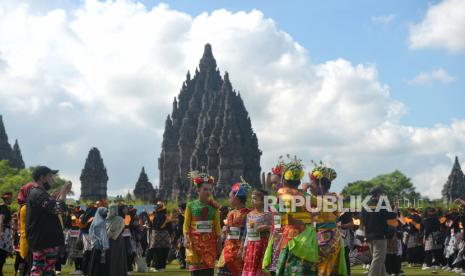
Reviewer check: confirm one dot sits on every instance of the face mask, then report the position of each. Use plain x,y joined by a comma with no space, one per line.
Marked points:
46,186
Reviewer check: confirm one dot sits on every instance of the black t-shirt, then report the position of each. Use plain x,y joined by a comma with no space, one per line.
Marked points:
43,227
88,214
375,223
5,211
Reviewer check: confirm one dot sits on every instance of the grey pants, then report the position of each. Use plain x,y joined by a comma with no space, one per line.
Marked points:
378,249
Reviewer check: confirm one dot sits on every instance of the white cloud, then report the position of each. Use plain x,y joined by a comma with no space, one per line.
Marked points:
105,74
442,27
439,75
383,19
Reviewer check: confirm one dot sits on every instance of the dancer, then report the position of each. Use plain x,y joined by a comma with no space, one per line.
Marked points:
201,228
258,231
330,244
299,248
270,260
232,263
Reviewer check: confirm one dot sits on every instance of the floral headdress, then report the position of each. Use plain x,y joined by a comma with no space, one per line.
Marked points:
198,178
241,188
321,170
294,169
278,169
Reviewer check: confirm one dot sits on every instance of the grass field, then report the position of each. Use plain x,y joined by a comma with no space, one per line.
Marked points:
173,270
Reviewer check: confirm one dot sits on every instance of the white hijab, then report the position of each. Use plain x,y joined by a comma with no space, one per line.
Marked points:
98,231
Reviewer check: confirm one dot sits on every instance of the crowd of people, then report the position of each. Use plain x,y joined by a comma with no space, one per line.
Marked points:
243,238
98,239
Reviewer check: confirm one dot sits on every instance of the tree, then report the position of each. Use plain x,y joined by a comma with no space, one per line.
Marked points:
395,185
11,179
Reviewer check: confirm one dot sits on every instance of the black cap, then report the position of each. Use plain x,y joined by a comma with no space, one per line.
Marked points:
42,171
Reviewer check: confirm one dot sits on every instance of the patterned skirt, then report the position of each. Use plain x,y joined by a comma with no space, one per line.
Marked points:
331,253
71,247
299,254
290,264
254,258
202,252
433,241
277,236
6,240
232,261
159,239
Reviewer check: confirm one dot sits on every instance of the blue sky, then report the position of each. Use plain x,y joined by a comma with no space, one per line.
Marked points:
373,86
345,29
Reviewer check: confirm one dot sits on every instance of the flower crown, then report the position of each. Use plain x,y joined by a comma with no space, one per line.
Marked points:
198,178
294,169
278,169
321,171
241,188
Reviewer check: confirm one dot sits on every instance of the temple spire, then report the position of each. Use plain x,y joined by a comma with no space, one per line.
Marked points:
455,186
209,128
94,177
3,136
144,189
208,62
17,157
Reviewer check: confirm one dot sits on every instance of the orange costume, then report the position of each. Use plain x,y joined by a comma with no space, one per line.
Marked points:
202,226
235,221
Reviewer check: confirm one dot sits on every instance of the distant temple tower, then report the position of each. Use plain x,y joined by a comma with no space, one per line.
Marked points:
13,155
209,127
144,189
94,177
455,185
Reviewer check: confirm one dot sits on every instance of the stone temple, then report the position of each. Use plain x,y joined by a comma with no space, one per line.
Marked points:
144,189
12,154
94,177
208,128
454,188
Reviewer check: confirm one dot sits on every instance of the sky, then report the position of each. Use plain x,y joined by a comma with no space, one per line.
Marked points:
367,87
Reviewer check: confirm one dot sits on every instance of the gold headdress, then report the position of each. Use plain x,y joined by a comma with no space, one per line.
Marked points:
321,170
294,169
198,178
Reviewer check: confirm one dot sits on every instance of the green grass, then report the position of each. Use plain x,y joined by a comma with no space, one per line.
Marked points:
358,271
173,270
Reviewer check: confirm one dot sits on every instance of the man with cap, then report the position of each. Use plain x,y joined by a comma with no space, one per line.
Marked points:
379,227
43,228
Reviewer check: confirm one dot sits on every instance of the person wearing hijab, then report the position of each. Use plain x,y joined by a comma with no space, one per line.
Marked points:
99,261
115,227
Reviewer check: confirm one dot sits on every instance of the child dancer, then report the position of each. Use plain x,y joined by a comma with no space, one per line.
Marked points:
258,231
202,227
234,229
